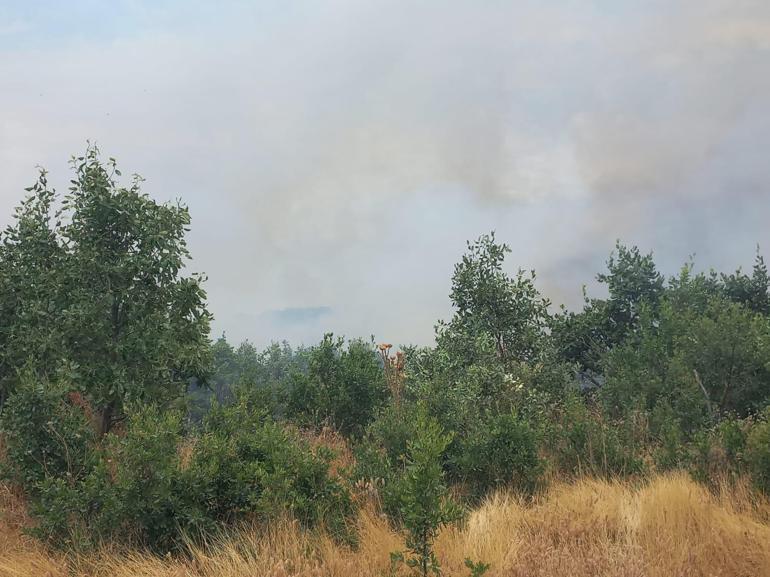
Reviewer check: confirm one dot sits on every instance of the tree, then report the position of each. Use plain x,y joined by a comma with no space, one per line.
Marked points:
752,291
423,497
701,363
633,282
32,291
343,385
96,292
488,301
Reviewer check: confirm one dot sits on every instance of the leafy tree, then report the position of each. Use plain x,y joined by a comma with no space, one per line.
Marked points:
225,369
344,386
487,301
33,292
752,291
633,282
94,291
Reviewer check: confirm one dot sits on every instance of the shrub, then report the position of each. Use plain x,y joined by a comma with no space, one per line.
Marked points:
502,451
47,433
758,452
423,497
344,386
143,467
382,450
722,450
582,441
139,489
132,493
243,465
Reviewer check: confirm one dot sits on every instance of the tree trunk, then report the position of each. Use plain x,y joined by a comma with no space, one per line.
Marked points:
106,418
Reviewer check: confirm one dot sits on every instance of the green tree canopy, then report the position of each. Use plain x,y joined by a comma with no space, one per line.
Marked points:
94,293
509,310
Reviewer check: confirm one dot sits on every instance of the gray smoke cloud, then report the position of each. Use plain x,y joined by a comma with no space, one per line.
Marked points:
336,156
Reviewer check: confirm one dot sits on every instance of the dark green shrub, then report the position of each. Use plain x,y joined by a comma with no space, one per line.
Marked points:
720,450
380,453
244,465
142,490
343,385
503,451
151,497
670,449
47,433
132,493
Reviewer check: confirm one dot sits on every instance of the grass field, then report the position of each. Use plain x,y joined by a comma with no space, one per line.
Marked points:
668,526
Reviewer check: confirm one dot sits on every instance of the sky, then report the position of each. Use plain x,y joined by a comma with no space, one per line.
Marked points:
337,155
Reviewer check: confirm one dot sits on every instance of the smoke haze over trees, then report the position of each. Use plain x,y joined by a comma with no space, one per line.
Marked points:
306,139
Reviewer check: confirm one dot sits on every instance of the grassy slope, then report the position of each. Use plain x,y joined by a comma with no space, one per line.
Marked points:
668,526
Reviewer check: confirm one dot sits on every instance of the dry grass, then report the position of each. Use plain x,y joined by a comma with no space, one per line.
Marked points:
669,526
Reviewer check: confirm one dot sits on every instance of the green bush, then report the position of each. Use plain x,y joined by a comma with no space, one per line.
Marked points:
758,452
140,489
503,451
344,386
47,433
244,465
582,441
134,491
382,450
423,497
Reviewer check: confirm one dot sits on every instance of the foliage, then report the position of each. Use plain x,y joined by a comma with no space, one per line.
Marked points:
503,451
46,432
582,441
243,464
153,486
758,452
423,496
510,311
132,492
704,364
94,289
478,568
633,282
751,291
101,336
343,385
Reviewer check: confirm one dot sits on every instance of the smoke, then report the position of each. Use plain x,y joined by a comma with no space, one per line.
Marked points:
339,154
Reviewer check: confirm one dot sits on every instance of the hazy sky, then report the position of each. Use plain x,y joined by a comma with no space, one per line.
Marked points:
336,155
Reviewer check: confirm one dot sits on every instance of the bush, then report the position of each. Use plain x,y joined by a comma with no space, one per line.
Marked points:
380,453
722,450
423,497
502,451
344,386
581,441
47,433
245,465
758,452
150,486
133,493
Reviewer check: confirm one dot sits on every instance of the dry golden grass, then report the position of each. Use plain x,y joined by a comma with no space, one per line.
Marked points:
669,526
